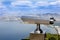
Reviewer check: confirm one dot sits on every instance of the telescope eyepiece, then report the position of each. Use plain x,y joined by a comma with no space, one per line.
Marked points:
52,20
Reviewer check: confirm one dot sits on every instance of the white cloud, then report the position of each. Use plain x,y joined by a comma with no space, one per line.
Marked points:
42,3
36,4
15,3
52,3
55,3
46,3
29,3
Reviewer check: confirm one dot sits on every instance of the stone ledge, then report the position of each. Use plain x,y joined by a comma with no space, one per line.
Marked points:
36,36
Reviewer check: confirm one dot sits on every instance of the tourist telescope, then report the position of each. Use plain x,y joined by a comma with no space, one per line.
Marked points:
38,21
38,33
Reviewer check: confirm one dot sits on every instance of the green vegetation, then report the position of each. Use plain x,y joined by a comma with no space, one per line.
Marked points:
51,36
25,39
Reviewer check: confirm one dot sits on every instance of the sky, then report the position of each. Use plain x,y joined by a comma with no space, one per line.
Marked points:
24,7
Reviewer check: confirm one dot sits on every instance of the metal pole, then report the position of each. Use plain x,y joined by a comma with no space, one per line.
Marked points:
38,29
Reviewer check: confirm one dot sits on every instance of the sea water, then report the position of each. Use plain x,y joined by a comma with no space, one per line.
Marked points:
14,30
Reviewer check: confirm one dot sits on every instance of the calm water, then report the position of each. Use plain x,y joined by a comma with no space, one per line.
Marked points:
17,31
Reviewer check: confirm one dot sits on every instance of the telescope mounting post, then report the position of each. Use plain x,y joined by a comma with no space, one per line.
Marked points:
38,29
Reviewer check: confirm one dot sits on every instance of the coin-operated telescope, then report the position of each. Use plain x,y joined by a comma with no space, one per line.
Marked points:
38,21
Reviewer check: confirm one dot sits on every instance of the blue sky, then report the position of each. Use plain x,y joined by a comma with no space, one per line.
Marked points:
23,7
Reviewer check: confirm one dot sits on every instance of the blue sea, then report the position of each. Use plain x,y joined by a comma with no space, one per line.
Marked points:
14,30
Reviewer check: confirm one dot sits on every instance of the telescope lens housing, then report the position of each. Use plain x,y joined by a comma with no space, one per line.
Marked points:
51,22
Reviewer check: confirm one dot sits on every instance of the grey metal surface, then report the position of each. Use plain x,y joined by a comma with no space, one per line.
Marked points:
34,20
